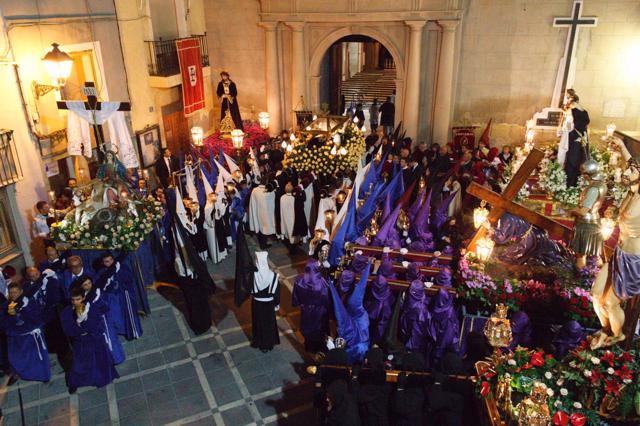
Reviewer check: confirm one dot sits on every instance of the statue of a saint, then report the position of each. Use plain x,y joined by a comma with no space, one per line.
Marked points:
619,279
578,143
587,240
229,110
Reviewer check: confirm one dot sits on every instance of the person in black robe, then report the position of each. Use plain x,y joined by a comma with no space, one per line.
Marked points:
228,92
264,305
360,116
300,226
408,399
342,409
373,393
578,142
196,215
193,277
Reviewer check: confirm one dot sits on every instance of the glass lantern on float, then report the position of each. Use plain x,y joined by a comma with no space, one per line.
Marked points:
237,138
480,215
263,120
498,328
197,136
528,145
58,65
329,215
534,411
484,248
611,129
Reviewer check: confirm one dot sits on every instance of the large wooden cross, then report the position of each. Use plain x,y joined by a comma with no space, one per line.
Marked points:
93,104
501,203
574,22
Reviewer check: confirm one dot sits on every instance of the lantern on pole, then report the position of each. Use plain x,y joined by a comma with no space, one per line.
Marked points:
480,214
197,136
484,248
263,120
58,65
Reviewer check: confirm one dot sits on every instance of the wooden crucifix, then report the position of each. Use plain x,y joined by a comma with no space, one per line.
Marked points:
93,104
501,203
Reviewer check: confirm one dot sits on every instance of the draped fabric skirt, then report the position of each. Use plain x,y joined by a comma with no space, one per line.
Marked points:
587,239
264,326
625,274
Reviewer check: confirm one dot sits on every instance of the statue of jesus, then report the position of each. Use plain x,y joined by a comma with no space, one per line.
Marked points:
619,279
229,110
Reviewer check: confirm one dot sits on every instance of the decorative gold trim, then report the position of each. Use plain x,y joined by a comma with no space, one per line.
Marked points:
39,90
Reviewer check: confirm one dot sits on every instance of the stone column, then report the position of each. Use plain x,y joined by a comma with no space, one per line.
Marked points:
299,67
431,70
273,77
444,86
412,88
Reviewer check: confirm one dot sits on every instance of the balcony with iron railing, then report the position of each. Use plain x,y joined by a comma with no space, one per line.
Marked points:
10,168
163,56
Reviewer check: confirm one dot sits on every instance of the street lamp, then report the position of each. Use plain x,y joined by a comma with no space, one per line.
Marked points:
197,136
58,65
263,119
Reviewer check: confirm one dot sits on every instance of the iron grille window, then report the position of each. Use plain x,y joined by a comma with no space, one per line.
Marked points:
10,169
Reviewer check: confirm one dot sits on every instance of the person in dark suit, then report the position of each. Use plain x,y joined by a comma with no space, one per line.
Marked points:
166,165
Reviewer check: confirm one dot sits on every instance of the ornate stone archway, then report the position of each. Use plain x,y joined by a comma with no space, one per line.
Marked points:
318,51
294,52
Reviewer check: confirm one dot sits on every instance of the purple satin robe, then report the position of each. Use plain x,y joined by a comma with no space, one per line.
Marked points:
521,330
444,277
347,278
413,272
311,293
386,267
379,305
444,326
568,337
414,319
359,262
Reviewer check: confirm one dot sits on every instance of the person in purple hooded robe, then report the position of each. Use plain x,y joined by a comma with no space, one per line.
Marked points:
352,319
311,293
379,305
386,267
359,262
345,282
413,272
444,277
444,326
414,319
520,330
568,337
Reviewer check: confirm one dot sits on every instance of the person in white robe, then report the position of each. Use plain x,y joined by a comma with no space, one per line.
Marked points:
213,210
262,213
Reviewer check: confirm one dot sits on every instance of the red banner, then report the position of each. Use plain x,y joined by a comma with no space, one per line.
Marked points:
191,70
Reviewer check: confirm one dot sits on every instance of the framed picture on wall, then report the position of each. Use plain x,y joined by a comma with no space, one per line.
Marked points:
149,145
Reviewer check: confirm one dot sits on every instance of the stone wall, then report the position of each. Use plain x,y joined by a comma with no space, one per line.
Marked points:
511,51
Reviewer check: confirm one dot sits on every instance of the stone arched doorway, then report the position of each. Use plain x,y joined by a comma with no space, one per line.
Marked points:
322,47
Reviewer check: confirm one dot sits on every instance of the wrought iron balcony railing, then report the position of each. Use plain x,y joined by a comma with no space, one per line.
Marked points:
10,168
163,56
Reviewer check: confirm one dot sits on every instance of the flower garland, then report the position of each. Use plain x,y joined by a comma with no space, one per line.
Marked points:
126,233
327,157
568,292
552,178
610,377
254,136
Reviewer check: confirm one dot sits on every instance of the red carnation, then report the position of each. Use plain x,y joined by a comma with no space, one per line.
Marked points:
537,359
595,376
560,418
578,419
484,388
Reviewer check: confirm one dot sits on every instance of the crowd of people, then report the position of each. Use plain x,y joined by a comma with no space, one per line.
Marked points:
65,307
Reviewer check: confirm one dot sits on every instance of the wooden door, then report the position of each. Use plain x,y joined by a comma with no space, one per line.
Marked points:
176,127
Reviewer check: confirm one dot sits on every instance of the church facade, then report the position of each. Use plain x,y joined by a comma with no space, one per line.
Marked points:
457,61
